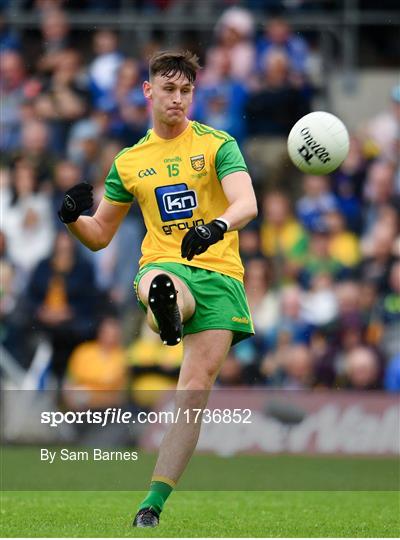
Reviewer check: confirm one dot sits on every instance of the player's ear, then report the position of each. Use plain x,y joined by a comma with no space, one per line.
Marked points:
147,89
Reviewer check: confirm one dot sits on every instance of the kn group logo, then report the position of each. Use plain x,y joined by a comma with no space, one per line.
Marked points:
146,172
175,201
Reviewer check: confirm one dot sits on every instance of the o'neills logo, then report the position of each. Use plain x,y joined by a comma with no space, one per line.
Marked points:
312,148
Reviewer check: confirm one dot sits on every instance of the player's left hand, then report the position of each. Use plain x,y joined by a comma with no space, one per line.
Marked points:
198,239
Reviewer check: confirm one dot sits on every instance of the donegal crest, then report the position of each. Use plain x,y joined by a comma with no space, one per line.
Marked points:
198,162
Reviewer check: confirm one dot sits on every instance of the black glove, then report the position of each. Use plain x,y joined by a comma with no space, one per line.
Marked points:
198,239
76,200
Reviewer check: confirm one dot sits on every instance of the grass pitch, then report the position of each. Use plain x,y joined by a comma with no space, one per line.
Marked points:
199,514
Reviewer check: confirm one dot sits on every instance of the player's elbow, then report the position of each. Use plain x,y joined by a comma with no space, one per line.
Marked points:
252,209
96,247
98,244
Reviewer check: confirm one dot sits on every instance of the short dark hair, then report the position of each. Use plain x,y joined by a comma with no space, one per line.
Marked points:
171,63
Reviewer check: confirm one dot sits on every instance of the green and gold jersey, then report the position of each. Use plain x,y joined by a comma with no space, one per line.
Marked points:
177,184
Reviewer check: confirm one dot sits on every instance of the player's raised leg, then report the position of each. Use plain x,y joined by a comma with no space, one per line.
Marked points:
170,302
204,355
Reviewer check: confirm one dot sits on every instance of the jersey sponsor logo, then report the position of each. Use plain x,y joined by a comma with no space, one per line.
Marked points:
198,162
146,172
176,201
181,226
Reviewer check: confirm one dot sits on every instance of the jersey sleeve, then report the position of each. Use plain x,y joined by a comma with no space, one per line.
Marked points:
229,159
115,191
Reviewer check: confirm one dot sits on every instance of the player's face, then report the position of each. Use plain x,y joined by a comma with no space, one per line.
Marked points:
171,98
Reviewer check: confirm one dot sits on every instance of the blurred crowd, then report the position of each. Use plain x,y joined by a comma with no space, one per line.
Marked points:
322,260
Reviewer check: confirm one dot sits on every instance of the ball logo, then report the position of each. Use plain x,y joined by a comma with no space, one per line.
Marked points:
146,172
203,232
312,148
69,203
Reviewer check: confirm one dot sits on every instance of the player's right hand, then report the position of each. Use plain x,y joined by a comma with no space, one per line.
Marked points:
76,200
198,239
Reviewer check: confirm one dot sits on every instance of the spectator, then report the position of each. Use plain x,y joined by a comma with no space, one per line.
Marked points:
348,182
9,39
126,105
97,377
127,80
35,149
319,306
277,105
392,374
281,234
370,310
84,147
27,220
290,367
154,368
362,369
290,319
322,348
318,260
316,202
278,35
298,368
128,252
6,286
231,373
220,98
379,191
9,336
388,217
15,89
391,312
381,132
263,300
343,244
348,294
378,257
65,97
55,38
97,369
104,68
62,298
346,332
271,111
249,242
391,302
234,32
271,365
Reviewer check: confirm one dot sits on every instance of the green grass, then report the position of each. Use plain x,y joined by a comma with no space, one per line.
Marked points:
199,514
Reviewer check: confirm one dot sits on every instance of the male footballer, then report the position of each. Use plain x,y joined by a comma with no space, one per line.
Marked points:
193,188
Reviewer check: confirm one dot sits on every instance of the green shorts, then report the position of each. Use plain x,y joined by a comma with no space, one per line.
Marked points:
220,300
